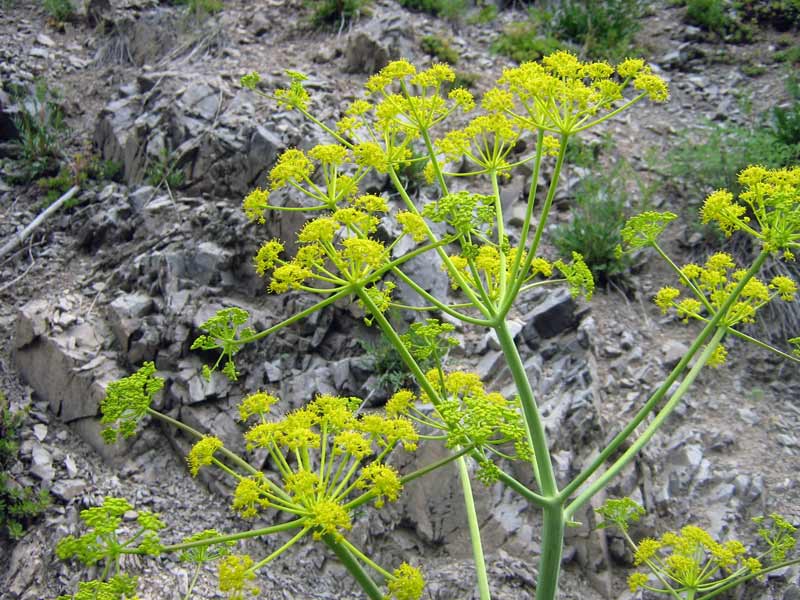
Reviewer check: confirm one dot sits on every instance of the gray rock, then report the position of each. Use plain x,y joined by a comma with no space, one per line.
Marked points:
673,351
555,315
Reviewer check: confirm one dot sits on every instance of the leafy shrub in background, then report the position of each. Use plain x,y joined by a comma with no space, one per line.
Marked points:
449,9
716,162
336,14
522,42
163,171
782,15
598,216
42,131
439,48
201,8
59,10
19,505
601,29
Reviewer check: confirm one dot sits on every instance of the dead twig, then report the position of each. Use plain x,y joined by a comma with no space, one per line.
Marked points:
18,238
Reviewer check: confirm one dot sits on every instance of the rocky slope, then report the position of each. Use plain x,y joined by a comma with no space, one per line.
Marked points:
132,271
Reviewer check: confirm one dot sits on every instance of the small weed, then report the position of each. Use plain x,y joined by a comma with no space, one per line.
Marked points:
163,171
782,15
201,8
790,55
391,372
19,505
718,16
786,121
522,42
486,14
336,14
42,131
448,9
440,48
465,80
598,216
76,173
59,10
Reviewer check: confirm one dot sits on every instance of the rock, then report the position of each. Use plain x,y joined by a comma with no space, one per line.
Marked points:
69,489
40,431
673,351
555,315
375,44
42,464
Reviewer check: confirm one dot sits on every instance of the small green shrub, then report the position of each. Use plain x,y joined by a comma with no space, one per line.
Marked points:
786,121
59,10
449,9
334,14
789,55
42,132
602,29
486,14
201,8
708,14
19,505
440,48
163,171
522,42
598,216
782,15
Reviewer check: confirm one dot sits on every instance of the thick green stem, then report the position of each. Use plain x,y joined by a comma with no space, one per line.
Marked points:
349,561
654,426
541,451
234,536
474,530
552,548
664,387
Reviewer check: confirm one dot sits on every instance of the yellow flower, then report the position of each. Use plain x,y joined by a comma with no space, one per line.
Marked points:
288,276
436,75
293,165
331,154
718,357
400,402
637,580
665,298
646,550
353,443
248,498
463,99
630,67
329,517
234,575
407,583
364,252
413,225
255,204
302,484
267,256
655,87
371,203
202,453
395,70
256,404
382,480
785,287
318,230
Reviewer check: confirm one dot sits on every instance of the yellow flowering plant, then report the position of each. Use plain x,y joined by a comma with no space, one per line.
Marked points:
330,457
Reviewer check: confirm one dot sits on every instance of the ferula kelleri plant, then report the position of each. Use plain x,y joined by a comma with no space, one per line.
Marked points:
330,458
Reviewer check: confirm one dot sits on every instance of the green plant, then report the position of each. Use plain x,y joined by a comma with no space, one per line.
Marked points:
201,8
789,55
595,228
336,13
786,121
59,10
77,172
709,14
163,171
449,9
42,131
330,460
486,14
782,15
440,48
602,29
19,505
522,42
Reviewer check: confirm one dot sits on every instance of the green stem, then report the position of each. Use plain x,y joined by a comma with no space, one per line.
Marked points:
354,567
279,551
234,536
654,426
653,401
552,548
541,452
740,580
474,530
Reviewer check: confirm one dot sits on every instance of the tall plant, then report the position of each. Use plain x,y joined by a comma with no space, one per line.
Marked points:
329,458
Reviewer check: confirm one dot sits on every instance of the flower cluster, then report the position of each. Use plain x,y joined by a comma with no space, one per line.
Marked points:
690,561
711,286
467,414
564,95
127,400
108,538
768,208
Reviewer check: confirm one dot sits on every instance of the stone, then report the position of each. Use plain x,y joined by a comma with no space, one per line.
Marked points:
673,351
555,315
68,489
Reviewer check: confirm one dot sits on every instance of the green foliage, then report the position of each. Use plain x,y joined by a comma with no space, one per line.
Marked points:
600,28
449,9
522,42
19,505
391,372
42,131
440,48
336,14
789,55
709,14
715,162
486,14
595,229
163,171
59,10
201,8
786,121
77,172
782,15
